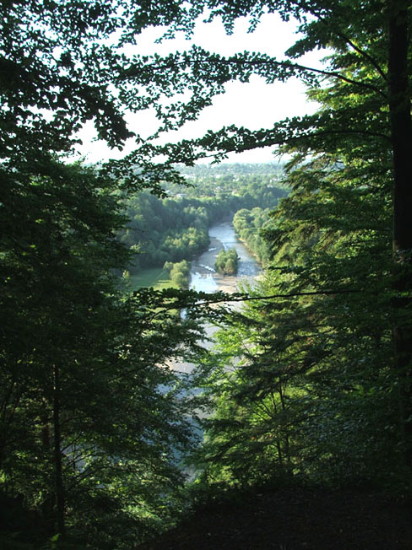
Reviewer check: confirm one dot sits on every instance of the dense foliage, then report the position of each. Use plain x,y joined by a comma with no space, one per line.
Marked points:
310,390
249,226
227,262
76,356
179,273
91,415
319,382
312,378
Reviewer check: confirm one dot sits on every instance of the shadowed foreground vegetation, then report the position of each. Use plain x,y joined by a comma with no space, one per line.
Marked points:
310,381
294,519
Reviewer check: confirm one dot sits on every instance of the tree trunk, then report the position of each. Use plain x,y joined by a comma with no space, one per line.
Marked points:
58,464
401,133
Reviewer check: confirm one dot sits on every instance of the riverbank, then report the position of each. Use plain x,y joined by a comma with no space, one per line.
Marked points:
203,275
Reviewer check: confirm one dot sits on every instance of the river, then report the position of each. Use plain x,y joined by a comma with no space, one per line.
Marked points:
204,278
203,275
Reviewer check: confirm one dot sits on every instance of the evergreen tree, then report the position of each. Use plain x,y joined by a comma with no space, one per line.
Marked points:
91,418
340,304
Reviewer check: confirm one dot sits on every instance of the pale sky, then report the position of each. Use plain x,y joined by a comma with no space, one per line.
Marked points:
254,105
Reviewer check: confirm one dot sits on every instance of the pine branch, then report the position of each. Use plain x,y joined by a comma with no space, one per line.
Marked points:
247,298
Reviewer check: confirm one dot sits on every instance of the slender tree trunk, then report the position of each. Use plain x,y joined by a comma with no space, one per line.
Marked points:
58,464
285,431
401,132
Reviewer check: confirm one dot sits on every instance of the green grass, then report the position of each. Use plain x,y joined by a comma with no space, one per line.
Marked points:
155,277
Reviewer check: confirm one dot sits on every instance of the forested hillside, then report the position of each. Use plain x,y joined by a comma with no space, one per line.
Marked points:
318,387
304,403
175,227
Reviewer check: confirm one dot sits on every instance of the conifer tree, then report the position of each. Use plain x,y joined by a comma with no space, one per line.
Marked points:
338,280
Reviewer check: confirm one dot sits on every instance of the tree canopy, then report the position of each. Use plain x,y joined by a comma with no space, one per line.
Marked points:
320,380
312,378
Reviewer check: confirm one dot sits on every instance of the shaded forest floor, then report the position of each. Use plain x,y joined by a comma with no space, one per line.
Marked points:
295,519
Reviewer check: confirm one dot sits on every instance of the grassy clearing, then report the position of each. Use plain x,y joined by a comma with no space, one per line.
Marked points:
157,278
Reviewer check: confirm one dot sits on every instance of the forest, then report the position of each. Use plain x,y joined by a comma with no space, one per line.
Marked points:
104,444
175,227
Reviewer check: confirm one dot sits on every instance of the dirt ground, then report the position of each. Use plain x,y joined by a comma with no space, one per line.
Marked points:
296,519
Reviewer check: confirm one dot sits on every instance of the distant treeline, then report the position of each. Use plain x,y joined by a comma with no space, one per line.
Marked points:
232,169
175,228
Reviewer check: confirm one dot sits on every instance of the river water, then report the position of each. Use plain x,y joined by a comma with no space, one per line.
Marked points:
203,275
204,278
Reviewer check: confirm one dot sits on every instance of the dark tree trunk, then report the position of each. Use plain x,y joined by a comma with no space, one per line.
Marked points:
58,463
401,132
